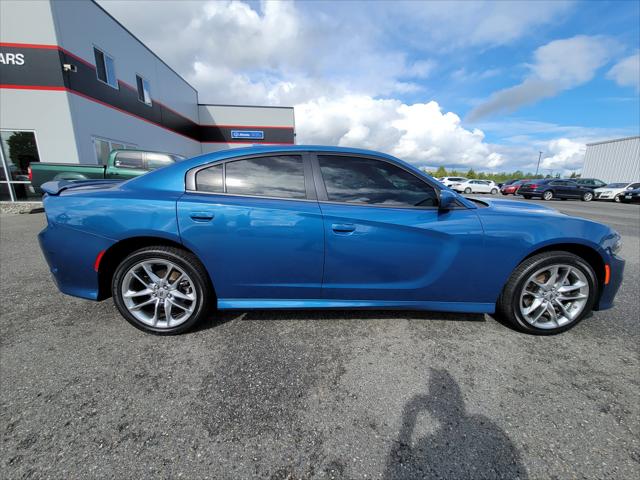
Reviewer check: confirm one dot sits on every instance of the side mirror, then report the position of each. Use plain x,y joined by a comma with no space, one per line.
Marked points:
447,200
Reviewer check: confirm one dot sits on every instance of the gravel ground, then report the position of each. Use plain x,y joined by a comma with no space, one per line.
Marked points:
291,395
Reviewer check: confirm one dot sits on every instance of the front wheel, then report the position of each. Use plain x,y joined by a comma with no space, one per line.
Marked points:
161,290
548,293
617,198
467,190
548,195
587,196
494,191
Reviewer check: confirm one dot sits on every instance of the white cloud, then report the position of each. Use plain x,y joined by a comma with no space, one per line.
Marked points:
557,66
419,133
567,155
626,72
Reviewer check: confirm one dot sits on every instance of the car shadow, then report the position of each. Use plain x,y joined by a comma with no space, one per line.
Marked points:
221,317
462,445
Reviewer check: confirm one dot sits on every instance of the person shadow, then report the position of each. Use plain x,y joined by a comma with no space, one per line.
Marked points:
463,446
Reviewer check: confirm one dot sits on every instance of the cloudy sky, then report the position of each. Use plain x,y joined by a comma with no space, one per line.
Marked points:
461,84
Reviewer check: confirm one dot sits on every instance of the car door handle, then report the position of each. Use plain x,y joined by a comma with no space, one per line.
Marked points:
201,216
343,227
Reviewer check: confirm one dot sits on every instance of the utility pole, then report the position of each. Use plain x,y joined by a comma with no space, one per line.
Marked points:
539,157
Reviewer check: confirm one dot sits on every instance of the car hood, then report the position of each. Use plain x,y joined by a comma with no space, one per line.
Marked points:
511,206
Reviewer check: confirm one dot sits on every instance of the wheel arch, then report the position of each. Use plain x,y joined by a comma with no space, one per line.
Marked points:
120,250
587,253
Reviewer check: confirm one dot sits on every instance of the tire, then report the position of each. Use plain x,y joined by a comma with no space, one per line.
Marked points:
505,194
527,197
548,195
587,196
509,307
467,190
617,198
494,191
195,290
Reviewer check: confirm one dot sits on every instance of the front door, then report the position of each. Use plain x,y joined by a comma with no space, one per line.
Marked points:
257,229
387,241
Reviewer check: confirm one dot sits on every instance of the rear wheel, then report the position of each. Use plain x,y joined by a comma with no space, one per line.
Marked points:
161,290
587,196
467,190
548,293
548,195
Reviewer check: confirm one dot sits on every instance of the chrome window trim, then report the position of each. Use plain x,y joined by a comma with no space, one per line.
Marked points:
190,177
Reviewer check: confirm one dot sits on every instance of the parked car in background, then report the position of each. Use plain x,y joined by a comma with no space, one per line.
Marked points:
590,182
512,188
121,165
549,188
631,196
320,227
448,181
614,191
475,186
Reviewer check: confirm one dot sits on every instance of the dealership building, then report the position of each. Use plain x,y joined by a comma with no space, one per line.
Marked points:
613,160
75,84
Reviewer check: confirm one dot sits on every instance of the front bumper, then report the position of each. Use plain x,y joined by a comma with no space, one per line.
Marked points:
609,291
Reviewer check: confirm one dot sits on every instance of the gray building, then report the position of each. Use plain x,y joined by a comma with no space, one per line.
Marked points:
75,84
613,160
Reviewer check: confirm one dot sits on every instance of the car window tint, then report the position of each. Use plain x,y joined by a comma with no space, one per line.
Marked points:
365,180
277,176
129,160
210,179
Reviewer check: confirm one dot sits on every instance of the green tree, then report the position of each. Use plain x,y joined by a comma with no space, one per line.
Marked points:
440,172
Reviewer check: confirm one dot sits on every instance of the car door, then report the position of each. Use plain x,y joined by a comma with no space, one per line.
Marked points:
387,241
573,190
256,225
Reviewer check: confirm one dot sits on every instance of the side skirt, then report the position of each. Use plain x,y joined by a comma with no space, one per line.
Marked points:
286,304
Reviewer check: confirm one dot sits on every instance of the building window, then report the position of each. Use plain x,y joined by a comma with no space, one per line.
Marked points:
144,92
105,68
18,150
103,148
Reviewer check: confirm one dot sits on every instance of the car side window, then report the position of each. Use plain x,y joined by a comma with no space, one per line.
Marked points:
158,160
633,186
375,182
131,159
210,179
276,176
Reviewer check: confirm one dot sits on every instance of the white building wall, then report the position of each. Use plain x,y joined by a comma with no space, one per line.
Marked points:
83,24
243,116
97,120
47,114
613,161
26,21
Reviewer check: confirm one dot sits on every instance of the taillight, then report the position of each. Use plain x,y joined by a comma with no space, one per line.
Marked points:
533,185
30,173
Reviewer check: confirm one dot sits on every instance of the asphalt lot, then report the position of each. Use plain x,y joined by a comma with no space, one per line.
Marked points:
290,395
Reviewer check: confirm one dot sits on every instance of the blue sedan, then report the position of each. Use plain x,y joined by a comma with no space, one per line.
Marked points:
320,227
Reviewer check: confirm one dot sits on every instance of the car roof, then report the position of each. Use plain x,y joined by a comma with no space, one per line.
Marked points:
172,177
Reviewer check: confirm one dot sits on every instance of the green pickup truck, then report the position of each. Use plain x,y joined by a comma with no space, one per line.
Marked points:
122,165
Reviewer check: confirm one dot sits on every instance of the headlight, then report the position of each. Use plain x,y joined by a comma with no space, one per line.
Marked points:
617,244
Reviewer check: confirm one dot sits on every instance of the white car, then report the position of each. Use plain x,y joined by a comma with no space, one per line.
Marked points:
448,181
614,191
476,186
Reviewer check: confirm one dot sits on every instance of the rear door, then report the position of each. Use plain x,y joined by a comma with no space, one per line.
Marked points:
256,224
387,241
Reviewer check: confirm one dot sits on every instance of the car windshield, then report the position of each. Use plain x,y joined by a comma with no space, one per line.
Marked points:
617,185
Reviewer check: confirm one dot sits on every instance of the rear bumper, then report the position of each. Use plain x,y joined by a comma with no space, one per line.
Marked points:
71,255
609,291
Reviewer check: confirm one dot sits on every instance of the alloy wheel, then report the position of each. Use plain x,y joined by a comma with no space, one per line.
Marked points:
547,195
554,296
159,293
